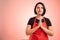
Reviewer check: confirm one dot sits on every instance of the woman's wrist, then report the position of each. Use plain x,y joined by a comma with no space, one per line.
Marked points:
39,25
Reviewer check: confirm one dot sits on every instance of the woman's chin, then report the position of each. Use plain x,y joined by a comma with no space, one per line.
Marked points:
38,14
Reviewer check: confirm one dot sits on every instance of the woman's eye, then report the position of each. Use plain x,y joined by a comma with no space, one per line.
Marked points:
42,7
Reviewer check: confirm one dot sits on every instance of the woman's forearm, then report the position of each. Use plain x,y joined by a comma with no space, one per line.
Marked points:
49,32
30,31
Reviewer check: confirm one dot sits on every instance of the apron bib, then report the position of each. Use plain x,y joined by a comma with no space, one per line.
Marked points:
39,34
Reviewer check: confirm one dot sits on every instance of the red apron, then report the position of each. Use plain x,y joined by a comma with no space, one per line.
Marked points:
39,34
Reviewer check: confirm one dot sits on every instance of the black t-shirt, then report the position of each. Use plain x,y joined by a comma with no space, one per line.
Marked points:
31,21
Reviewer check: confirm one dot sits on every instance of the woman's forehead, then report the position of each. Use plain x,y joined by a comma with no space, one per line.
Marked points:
39,5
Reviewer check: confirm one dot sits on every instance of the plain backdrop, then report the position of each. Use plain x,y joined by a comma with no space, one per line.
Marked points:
14,15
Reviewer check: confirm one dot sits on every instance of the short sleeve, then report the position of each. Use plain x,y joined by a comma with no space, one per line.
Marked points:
48,22
30,21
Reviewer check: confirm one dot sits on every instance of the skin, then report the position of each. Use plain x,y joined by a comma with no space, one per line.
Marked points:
49,31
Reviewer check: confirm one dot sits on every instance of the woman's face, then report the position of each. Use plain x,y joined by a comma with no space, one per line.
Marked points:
39,9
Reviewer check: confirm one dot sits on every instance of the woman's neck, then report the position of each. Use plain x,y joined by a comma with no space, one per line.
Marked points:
39,17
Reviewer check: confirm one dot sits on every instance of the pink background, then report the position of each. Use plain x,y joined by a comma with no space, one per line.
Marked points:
14,15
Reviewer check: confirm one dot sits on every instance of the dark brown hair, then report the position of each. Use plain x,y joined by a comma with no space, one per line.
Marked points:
44,9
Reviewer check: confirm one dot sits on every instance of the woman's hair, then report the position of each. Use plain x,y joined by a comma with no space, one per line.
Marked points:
44,9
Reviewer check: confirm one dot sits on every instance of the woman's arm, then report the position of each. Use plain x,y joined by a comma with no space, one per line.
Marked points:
49,31
29,31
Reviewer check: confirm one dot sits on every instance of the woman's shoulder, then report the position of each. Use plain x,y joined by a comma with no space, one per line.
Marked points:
48,22
32,18
46,18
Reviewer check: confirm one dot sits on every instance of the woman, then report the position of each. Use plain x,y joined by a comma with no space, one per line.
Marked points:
39,27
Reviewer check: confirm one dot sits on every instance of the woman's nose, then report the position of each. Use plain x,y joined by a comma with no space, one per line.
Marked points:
39,9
